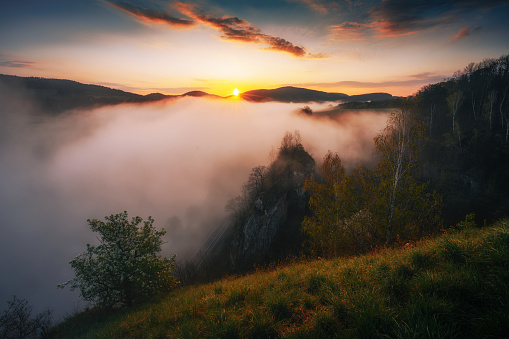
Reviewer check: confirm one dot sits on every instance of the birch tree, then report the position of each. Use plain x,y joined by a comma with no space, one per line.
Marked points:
400,192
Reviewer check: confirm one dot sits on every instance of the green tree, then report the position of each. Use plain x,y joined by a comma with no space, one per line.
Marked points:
404,204
325,226
125,268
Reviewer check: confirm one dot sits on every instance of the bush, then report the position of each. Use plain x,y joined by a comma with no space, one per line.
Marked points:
124,268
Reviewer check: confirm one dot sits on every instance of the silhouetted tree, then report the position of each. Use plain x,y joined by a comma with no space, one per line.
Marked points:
17,320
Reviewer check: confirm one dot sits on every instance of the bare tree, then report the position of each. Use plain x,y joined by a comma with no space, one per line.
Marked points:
17,320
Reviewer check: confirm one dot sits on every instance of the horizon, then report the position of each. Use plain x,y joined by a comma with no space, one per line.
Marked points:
171,47
183,160
235,93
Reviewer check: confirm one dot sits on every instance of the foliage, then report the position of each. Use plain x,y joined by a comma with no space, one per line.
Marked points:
17,321
125,268
406,207
468,223
366,209
452,287
328,202
466,156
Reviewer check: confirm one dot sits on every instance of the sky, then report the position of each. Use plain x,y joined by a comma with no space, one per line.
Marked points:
172,47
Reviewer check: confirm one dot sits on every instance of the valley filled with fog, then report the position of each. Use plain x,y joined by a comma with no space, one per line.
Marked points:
178,161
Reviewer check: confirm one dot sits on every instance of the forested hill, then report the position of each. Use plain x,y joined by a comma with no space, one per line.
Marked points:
302,95
53,96
466,154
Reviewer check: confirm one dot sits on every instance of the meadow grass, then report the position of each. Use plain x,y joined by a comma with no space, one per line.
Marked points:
455,286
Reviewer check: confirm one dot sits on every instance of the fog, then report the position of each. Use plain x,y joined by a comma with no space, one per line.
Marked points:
177,161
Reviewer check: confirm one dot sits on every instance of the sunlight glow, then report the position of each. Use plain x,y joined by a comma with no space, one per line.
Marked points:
236,92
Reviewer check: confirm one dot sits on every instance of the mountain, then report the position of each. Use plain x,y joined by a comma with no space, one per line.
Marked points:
55,96
291,94
200,94
302,95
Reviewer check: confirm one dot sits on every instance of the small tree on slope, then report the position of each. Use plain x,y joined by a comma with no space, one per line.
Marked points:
125,268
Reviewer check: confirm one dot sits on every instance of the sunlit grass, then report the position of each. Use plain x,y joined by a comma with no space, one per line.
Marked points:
454,286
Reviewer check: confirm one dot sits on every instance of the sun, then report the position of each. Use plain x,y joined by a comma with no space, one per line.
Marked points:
236,92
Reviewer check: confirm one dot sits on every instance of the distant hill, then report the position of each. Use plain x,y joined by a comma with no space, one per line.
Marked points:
302,95
201,94
55,96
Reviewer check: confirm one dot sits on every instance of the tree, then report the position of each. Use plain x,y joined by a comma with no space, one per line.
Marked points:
405,204
17,321
454,101
125,268
325,226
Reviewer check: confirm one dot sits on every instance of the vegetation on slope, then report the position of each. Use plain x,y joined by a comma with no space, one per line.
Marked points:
454,286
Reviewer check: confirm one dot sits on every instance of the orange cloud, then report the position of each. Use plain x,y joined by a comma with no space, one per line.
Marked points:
466,31
152,15
235,29
354,31
6,61
349,31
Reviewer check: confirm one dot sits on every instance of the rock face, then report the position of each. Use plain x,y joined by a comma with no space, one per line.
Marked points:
271,229
261,228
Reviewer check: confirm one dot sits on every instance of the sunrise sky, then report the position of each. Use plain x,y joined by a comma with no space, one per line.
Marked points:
166,46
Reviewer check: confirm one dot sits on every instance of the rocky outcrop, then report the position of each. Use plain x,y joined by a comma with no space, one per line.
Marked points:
272,228
261,228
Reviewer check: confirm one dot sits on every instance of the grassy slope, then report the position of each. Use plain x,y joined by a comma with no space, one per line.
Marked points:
454,286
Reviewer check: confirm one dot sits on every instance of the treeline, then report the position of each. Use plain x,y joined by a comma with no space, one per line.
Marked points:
443,155
465,154
473,101
371,208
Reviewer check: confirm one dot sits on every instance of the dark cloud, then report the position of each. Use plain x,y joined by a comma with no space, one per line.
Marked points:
235,29
152,15
231,28
6,61
402,17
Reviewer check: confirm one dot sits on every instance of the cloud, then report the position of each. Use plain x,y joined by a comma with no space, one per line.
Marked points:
420,79
235,29
6,61
151,15
325,7
350,31
231,28
466,31
178,161
316,5
392,18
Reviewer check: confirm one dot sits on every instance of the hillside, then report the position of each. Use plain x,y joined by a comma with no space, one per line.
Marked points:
302,95
453,286
54,96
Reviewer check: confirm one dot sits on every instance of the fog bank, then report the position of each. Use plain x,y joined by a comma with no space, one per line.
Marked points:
177,161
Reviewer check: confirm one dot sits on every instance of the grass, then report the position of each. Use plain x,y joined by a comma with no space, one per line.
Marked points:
456,286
